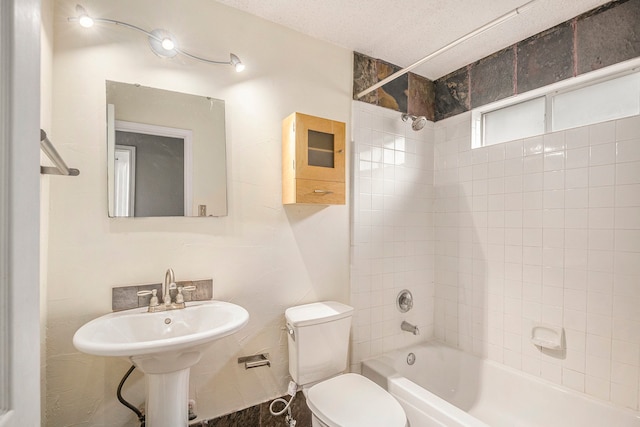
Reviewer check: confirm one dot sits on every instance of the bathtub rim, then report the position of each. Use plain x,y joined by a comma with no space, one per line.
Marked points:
383,365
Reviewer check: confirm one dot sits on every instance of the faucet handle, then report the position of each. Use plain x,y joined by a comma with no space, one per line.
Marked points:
153,301
180,297
404,301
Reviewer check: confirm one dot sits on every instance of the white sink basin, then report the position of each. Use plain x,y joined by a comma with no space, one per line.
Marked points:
136,332
164,345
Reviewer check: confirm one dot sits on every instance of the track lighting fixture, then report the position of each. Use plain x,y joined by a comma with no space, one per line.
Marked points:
162,42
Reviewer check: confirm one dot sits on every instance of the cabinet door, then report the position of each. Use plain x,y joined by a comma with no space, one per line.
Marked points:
320,145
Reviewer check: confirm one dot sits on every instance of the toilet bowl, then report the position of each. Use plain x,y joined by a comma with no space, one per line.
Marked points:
318,349
351,400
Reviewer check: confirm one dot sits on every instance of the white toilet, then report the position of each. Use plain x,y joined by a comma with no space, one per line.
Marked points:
318,349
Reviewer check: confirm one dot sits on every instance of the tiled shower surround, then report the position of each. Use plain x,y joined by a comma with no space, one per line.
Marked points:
495,239
545,229
392,230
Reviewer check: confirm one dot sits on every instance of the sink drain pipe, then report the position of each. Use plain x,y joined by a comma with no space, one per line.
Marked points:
124,402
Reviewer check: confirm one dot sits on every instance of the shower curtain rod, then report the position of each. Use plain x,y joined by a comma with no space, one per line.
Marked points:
61,167
464,38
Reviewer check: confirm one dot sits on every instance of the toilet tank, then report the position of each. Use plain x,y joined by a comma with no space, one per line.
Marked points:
318,340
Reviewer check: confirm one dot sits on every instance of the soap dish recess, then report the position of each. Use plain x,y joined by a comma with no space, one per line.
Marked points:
547,336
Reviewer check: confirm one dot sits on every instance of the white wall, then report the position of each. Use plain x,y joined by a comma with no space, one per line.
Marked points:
262,256
545,229
392,230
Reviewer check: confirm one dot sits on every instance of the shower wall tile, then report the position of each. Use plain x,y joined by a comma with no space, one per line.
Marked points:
393,95
421,97
608,35
544,229
604,36
409,93
364,76
545,58
452,94
492,78
393,233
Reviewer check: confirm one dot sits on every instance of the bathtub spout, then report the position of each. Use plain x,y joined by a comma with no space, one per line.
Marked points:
406,326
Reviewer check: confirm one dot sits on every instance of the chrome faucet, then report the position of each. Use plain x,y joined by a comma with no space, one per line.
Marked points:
406,326
169,283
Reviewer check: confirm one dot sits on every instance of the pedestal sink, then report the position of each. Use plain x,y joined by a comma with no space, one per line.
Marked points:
164,345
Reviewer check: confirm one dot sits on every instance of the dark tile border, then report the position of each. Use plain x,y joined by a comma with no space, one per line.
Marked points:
126,297
603,36
409,93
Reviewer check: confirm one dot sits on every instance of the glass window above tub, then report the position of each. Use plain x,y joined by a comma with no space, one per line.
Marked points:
592,98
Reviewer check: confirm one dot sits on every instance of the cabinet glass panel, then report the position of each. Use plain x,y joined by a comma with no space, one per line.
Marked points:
320,149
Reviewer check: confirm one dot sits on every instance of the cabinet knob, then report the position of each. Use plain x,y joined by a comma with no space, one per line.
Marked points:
323,191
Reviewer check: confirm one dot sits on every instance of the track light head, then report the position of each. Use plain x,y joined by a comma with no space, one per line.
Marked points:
162,42
236,63
83,17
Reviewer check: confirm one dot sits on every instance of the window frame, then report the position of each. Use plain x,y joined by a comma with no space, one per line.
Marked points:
548,92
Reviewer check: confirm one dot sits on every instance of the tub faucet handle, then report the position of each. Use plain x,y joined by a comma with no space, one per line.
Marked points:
404,301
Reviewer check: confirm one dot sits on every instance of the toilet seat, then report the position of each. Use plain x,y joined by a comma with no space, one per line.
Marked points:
351,400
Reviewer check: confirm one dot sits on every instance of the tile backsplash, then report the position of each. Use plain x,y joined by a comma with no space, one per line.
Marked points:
126,297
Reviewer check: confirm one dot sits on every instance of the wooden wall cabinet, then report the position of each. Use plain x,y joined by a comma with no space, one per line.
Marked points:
313,160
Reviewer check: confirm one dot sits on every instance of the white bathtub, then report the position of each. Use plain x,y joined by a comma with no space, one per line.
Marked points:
448,387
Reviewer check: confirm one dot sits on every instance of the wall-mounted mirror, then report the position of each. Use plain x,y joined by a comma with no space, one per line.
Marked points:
166,153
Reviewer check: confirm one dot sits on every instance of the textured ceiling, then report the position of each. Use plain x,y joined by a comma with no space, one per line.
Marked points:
404,31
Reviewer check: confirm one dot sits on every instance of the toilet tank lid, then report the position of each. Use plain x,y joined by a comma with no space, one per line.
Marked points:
317,312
